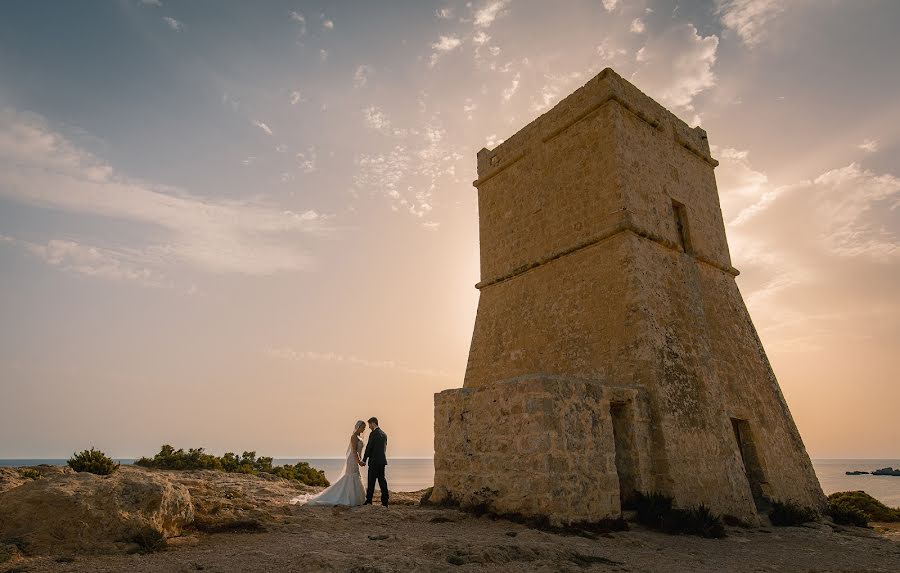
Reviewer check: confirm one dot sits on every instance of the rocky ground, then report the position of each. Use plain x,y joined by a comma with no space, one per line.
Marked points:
245,523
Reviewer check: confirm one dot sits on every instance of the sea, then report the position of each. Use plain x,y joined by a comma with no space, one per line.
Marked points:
414,474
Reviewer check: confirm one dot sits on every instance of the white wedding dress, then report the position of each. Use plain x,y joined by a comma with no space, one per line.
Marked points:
347,490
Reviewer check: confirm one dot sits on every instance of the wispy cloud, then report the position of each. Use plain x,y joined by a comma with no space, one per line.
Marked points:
442,46
300,19
127,265
349,359
362,74
42,168
610,5
173,23
297,97
156,3
637,26
676,81
263,127
869,145
485,16
749,19
328,24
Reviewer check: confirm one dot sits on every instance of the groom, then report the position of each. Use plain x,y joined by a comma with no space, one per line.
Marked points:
375,451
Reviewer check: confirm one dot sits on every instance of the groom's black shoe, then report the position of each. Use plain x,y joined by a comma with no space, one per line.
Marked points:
367,503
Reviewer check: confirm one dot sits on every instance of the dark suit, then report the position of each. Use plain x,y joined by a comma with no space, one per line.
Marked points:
376,457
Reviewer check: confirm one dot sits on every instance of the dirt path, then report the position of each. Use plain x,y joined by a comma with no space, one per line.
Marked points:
410,538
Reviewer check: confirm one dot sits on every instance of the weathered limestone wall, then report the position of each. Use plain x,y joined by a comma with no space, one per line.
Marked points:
606,270
547,431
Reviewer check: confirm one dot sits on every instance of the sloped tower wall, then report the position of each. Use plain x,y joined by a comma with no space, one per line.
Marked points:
612,351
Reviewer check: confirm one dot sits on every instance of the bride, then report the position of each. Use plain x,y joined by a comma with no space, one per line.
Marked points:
348,490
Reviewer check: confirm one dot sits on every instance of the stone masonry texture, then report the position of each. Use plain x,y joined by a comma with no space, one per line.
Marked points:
612,351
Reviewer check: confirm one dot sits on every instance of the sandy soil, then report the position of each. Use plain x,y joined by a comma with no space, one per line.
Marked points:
373,539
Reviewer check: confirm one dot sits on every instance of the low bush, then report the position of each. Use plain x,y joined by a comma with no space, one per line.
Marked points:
93,461
169,458
30,473
657,511
786,513
845,514
873,509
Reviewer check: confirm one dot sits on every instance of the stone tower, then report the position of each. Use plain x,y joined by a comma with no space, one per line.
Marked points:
612,351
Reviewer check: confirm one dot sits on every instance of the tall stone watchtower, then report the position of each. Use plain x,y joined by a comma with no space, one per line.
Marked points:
612,350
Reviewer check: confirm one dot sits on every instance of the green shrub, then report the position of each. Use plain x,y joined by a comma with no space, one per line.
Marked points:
845,514
30,473
873,509
93,461
657,511
785,513
169,458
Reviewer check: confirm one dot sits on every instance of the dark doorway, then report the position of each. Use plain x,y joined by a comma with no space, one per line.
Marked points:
681,223
752,466
626,460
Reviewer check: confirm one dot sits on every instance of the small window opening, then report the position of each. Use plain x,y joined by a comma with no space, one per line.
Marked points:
681,224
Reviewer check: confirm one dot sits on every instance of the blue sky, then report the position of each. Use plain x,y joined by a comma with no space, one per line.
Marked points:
246,225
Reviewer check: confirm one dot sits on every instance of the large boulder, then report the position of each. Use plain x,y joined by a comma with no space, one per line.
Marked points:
85,513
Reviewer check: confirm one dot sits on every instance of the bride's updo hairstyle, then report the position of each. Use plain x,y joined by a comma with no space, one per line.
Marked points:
359,424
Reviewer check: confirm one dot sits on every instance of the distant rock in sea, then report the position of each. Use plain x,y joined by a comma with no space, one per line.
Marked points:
856,473
886,472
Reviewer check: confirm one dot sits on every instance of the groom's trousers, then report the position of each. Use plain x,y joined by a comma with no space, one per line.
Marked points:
376,472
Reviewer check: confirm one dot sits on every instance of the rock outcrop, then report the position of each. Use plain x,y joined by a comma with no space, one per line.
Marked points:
67,512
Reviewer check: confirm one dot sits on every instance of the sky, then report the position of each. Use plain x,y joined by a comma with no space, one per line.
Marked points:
244,226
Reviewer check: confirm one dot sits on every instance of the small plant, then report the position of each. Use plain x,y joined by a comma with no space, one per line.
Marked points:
873,509
657,511
30,473
786,513
652,508
93,461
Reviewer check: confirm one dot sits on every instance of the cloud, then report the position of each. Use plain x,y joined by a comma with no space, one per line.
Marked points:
486,15
444,45
333,357
610,5
263,127
323,54
297,97
444,13
409,173
300,19
41,168
97,262
513,87
750,19
550,92
376,119
637,26
328,24
818,258
173,23
869,145
362,75
156,3
676,65
469,108
492,141
740,185
606,51
307,160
